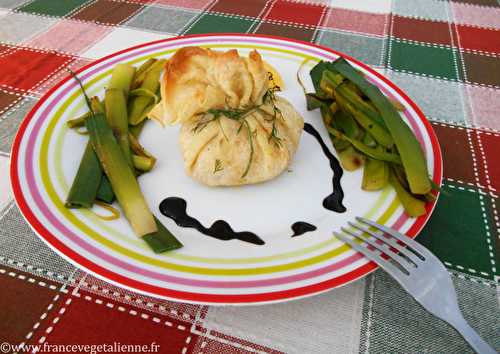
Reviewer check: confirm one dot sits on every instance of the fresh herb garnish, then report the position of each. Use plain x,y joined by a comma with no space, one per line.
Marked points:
240,115
218,166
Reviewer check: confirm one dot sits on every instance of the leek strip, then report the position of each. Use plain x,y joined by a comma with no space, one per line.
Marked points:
84,188
409,148
120,175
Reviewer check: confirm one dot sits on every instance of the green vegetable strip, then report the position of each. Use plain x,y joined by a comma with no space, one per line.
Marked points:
162,240
86,183
349,91
347,124
379,133
136,130
145,66
121,78
314,102
105,191
116,114
368,140
375,153
411,153
145,93
327,114
351,102
78,122
140,105
137,148
375,175
143,163
96,105
414,207
140,74
350,159
120,175
317,73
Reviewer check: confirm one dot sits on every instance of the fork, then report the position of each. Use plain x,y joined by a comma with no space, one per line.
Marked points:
417,270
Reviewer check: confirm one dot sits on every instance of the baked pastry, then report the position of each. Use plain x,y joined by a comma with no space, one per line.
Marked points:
235,129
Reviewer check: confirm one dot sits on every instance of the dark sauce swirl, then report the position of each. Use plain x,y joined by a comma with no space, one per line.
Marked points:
301,227
333,201
175,209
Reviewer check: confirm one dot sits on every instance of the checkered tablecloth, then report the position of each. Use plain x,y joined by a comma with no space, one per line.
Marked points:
444,54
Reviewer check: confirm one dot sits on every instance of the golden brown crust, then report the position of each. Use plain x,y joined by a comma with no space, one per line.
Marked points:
197,79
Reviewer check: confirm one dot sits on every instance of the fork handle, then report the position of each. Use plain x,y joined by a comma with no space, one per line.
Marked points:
471,336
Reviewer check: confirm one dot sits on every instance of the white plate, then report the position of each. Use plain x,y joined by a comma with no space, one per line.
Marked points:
46,155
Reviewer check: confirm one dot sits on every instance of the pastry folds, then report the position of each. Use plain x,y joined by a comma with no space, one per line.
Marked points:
235,130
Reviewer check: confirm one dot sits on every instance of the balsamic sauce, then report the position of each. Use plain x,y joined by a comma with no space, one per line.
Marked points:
333,201
175,208
301,227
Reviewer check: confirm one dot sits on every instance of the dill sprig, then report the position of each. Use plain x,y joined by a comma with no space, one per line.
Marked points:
218,166
270,97
240,115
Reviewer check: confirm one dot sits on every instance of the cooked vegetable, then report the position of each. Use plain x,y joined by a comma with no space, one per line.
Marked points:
145,66
116,114
375,175
105,191
376,152
340,86
121,78
143,163
142,104
140,74
120,175
78,122
414,207
137,148
313,101
83,191
368,140
162,240
114,213
347,124
378,132
109,149
350,159
96,105
366,124
136,130
407,144
350,101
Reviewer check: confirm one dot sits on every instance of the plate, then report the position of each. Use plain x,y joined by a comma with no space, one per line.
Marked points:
46,155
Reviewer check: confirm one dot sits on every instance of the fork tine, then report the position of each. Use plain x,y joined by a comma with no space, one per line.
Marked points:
372,256
405,239
404,251
382,248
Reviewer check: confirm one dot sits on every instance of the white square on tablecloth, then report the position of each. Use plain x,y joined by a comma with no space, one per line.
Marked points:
5,191
377,6
326,323
121,38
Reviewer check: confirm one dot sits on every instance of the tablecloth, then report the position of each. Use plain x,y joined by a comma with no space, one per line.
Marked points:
444,54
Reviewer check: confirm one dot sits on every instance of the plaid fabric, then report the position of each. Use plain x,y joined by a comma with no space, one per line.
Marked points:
444,54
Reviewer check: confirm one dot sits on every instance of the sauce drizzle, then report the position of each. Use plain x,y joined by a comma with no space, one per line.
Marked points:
175,208
333,201
301,227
